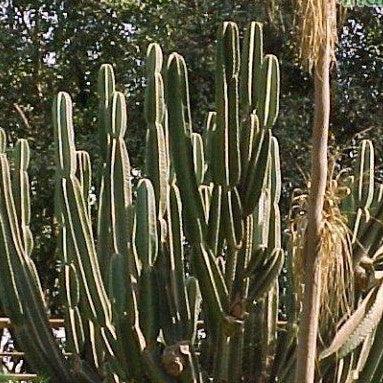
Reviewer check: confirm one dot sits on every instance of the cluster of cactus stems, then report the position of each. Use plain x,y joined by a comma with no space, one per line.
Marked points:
178,279
196,241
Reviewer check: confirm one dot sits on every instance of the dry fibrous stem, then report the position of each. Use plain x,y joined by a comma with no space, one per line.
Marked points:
316,26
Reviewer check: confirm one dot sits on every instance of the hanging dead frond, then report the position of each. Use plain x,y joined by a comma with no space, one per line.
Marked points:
337,280
316,27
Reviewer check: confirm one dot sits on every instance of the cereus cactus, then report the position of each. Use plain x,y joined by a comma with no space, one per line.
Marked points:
178,281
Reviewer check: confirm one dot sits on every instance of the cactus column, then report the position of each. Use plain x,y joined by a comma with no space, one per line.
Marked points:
201,224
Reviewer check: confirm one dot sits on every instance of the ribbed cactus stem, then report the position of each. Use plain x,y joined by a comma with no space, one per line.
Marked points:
275,194
146,248
21,192
74,210
364,182
84,174
198,157
269,98
3,141
157,158
181,147
64,134
114,215
106,88
26,294
251,67
145,235
176,258
226,148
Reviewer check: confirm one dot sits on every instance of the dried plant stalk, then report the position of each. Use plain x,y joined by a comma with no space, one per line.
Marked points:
317,28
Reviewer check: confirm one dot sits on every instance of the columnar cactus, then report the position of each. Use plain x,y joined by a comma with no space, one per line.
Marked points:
202,225
180,281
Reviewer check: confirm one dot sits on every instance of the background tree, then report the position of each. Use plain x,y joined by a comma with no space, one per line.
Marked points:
47,47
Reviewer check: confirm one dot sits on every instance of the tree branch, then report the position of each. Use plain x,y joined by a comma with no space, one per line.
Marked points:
22,116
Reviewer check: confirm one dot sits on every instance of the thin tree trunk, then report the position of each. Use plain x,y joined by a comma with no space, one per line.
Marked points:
308,327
